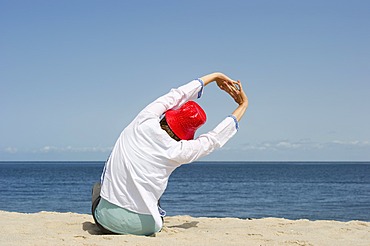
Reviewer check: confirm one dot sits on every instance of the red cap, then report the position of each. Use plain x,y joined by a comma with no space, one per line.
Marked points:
186,120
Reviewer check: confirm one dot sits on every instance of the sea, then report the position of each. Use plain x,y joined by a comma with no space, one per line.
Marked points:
293,190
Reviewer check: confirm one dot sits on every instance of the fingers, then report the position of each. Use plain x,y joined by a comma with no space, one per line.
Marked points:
239,95
238,85
243,96
231,85
233,88
230,88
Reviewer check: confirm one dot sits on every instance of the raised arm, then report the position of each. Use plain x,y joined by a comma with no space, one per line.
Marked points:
243,102
233,88
224,82
218,77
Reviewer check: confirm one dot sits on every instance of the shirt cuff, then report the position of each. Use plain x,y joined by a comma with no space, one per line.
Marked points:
200,93
235,120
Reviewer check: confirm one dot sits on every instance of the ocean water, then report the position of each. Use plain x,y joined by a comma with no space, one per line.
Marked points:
315,191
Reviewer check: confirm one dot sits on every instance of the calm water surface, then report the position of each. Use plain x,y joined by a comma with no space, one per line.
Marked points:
330,191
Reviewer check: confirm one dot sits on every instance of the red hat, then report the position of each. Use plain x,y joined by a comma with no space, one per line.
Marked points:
186,120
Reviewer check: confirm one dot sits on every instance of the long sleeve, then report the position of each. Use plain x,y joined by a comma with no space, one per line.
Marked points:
191,150
176,97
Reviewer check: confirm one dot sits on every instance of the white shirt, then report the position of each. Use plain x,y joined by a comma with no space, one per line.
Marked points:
137,171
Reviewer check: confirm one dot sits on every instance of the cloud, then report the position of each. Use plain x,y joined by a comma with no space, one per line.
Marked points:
47,149
284,149
287,145
274,146
352,143
11,150
54,149
304,144
70,149
271,146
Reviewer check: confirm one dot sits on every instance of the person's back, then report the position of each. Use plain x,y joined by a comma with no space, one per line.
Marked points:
150,148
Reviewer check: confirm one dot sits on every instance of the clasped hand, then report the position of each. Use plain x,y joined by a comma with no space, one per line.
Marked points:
233,88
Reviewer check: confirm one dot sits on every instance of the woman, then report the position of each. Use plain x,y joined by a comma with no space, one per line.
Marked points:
151,147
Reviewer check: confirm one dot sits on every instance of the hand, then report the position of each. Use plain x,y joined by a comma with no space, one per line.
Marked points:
240,97
242,100
232,88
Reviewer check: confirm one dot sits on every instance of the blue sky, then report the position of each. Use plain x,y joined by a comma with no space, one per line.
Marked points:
73,74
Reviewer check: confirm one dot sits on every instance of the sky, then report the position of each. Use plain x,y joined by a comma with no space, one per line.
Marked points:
73,74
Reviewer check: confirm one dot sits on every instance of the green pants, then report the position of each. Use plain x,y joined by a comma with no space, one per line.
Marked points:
111,218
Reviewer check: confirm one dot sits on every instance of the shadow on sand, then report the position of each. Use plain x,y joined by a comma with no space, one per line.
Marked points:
186,225
91,228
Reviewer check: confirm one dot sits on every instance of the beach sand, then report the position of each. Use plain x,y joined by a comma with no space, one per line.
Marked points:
51,228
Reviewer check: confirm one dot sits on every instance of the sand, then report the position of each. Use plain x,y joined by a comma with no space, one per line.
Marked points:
50,228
